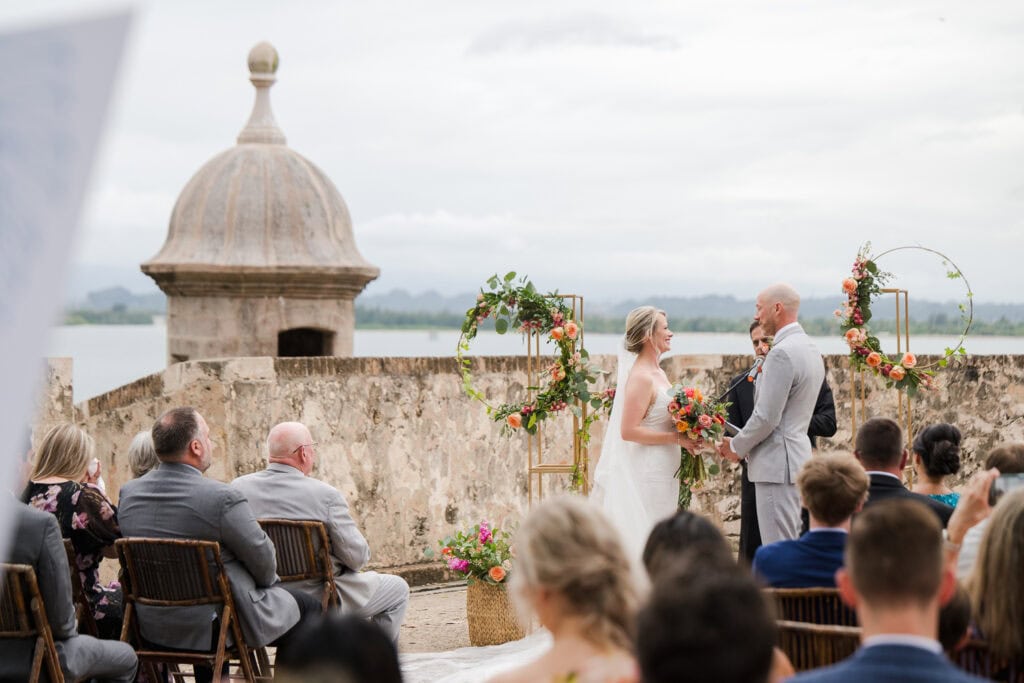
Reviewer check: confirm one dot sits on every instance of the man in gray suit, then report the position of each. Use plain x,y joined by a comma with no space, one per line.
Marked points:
286,491
176,501
37,542
774,440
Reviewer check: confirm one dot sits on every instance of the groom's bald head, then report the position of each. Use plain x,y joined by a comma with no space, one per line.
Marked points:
777,306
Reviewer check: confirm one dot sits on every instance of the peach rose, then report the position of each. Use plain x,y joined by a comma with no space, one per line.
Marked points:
874,359
705,421
909,360
558,373
497,574
557,333
849,285
515,420
571,330
897,373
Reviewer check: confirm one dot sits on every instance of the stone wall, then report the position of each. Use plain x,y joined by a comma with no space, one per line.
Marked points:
417,459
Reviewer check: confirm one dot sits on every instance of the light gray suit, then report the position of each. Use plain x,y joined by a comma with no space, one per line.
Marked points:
284,492
37,542
177,501
774,440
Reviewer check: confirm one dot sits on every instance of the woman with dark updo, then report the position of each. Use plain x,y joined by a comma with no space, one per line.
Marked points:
936,456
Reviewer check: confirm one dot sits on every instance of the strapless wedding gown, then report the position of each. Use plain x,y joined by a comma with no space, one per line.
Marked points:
635,483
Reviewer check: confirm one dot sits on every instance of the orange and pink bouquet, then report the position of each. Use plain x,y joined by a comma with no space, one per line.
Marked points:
702,419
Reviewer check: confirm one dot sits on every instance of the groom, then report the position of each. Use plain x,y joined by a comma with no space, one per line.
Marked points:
774,441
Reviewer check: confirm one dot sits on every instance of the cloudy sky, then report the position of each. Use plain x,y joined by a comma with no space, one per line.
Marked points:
612,149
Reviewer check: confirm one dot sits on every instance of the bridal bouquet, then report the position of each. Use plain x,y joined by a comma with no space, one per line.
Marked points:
482,554
698,418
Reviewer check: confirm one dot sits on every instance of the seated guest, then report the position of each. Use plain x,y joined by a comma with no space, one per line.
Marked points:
937,456
285,490
572,572
60,483
141,456
879,447
684,531
690,541
997,583
36,541
896,578
338,648
955,620
704,626
176,501
832,488
969,528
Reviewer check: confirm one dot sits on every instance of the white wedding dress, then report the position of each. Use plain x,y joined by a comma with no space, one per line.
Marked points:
635,483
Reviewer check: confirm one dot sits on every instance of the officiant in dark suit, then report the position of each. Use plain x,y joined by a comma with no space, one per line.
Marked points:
741,398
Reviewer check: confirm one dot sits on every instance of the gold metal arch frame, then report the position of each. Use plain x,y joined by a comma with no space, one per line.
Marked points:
858,387
536,465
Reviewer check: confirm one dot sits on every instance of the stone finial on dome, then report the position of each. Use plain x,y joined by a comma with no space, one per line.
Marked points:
262,127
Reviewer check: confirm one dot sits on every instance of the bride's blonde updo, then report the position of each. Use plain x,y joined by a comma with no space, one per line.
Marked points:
640,324
566,545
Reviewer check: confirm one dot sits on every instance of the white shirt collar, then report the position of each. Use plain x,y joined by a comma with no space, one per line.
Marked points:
884,474
828,528
929,644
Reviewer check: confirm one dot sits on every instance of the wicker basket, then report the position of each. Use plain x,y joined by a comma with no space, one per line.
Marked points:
492,620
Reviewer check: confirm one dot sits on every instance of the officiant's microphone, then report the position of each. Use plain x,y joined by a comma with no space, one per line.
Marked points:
749,377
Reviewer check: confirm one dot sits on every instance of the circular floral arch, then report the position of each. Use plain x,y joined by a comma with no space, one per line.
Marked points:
862,286
570,379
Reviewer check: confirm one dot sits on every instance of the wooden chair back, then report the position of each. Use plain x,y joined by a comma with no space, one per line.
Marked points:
303,553
812,606
976,658
158,572
23,616
810,646
83,609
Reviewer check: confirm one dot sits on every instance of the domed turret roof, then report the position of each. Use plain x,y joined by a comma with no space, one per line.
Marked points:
260,219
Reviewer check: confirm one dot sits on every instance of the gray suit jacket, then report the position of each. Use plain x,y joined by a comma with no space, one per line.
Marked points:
283,492
177,501
774,440
36,541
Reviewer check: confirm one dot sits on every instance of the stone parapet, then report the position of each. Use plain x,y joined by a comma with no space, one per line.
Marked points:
416,459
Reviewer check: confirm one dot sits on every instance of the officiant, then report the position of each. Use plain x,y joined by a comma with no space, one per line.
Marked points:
741,399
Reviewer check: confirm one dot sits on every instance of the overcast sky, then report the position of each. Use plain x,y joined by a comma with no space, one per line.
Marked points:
611,149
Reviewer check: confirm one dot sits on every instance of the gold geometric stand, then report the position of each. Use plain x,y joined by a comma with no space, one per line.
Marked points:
905,417
536,466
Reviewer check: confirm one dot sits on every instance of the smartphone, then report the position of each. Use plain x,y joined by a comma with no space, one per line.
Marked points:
1002,484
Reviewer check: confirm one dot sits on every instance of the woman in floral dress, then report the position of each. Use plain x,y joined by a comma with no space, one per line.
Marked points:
62,485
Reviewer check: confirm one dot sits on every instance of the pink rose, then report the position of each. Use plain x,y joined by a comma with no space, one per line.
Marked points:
705,421
689,392
571,329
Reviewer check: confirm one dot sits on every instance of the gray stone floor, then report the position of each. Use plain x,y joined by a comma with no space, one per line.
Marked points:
436,619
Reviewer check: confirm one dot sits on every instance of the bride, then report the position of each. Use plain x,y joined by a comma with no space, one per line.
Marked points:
635,478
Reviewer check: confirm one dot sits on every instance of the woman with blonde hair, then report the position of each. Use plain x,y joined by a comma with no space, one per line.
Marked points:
997,582
63,484
572,572
635,478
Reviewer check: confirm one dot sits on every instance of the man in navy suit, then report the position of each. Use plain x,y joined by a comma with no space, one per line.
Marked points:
832,488
880,448
896,577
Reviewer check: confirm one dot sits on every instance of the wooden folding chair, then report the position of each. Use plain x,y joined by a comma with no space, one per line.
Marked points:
810,646
303,553
83,609
976,658
23,616
159,572
812,606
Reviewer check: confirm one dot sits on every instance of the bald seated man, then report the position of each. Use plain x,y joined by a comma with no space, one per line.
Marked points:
285,490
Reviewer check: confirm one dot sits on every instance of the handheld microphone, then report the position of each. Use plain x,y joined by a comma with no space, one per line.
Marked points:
752,375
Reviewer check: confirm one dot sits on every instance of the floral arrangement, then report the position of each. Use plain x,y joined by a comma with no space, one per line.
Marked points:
697,418
570,378
482,554
903,373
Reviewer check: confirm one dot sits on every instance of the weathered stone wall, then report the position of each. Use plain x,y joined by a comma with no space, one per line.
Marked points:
416,458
